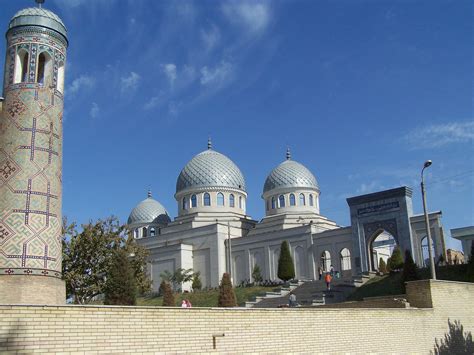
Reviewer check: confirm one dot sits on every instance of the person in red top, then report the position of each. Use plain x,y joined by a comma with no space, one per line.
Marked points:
328,280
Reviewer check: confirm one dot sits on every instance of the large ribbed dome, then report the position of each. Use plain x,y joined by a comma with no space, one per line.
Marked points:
149,211
210,169
36,16
290,174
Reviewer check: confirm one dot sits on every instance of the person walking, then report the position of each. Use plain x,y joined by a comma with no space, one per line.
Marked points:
188,304
292,300
320,272
331,269
328,279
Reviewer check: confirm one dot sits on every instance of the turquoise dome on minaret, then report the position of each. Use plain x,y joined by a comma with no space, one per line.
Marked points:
37,16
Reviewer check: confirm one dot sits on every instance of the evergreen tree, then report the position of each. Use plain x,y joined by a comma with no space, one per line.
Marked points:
382,266
226,292
167,293
286,268
197,285
389,263
120,287
396,260
256,274
470,265
410,270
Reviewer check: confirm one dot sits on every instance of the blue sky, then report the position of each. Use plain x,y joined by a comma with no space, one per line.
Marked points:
363,92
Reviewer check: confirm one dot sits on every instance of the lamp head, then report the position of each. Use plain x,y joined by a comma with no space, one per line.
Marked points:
428,163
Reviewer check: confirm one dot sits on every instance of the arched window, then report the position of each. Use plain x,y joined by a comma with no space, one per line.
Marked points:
21,66
207,199
231,200
311,201
193,201
273,202
44,69
281,201
152,232
268,205
60,80
302,200
240,202
185,204
292,200
326,261
345,259
144,232
136,233
220,199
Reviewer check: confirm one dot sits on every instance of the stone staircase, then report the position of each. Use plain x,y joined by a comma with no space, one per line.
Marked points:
311,293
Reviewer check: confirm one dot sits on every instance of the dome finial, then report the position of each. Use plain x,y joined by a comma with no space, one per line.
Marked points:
288,153
149,193
39,2
209,143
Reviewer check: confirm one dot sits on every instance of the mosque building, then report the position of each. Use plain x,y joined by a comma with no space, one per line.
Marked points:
213,234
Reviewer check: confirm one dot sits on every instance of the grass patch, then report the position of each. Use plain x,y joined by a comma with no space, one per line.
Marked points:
392,284
207,298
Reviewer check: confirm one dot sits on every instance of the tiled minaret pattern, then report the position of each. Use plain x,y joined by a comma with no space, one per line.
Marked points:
31,159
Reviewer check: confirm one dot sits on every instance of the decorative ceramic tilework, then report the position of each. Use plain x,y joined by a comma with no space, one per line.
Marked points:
31,163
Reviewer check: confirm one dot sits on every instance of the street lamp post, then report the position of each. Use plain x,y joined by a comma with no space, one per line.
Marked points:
427,223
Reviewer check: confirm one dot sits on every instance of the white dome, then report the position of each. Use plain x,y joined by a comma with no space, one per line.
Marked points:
148,211
290,174
210,169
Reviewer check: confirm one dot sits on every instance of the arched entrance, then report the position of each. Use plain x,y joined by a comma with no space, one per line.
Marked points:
381,246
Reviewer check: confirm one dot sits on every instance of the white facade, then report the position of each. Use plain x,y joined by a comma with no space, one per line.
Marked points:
211,198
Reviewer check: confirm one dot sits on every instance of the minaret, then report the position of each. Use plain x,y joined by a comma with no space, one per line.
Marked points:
31,159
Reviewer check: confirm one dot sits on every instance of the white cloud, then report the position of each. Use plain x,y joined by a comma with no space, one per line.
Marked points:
130,82
218,75
170,72
83,82
253,16
154,101
370,187
210,37
95,110
434,136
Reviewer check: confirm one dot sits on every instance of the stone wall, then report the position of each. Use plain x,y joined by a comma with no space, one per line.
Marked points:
302,330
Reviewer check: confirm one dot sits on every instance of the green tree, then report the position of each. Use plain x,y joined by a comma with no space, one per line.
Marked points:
87,256
456,341
120,286
389,263
382,266
410,270
286,268
167,293
138,256
196,285
396,260
178,277
226,292
256,274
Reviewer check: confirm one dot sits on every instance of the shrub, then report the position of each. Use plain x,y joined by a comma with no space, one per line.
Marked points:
455,342
120,287
410,270
226,292
256,274
167,293
382,266
197,284
286,268
396,260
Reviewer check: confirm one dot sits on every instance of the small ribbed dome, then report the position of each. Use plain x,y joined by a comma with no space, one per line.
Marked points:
149,211
210,169
36,16
290,174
